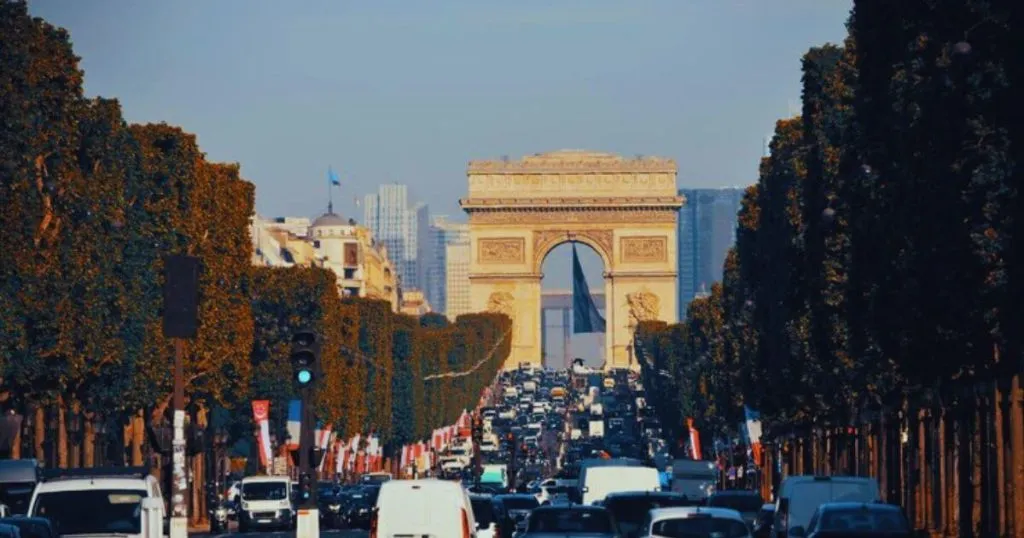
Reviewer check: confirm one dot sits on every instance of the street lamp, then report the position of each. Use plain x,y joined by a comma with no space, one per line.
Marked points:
75,433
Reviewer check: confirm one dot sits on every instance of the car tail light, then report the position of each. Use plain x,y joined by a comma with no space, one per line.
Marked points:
465,525
373,524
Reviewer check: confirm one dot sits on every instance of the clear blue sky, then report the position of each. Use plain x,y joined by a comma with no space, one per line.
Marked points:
409,90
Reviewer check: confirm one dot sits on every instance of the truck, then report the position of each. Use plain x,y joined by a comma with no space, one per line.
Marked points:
596,428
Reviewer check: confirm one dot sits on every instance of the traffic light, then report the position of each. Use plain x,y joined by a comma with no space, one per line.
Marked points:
478,429
305,355
305,487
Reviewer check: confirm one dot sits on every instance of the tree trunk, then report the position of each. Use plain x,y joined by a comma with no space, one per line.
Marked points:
39,443
1016,468
138,437
977,463
16,447
1002,457
88,442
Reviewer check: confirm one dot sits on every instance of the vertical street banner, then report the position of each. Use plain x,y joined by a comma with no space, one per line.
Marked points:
294,423
753,423
695,452
261,414
585,316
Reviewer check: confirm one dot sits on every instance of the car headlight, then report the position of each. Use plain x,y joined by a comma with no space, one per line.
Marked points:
334,507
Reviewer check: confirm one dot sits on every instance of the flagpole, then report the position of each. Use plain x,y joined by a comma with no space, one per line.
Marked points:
330,190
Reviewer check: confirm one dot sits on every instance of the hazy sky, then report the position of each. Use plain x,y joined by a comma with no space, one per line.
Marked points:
409,90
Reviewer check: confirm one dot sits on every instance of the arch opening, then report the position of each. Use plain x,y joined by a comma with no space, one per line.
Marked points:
559,343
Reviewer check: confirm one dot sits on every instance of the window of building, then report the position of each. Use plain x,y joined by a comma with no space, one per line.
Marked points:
350,273
316,243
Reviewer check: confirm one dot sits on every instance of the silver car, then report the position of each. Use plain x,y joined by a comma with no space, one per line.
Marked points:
570,522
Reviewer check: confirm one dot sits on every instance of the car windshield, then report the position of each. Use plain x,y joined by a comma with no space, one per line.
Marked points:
483,512
858,519
741,502
264,491
92,511
703,527
570,521
16,495
634,509
520,503
28,528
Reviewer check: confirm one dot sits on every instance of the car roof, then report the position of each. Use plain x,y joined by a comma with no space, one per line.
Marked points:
78,484
644,494
676,512
882,507
263,478
575,508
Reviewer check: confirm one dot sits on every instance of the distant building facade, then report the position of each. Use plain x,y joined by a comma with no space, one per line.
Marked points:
457,261
707,230
414,303
361,265
442,232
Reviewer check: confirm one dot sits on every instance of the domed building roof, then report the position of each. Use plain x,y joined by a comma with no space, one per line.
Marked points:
328,219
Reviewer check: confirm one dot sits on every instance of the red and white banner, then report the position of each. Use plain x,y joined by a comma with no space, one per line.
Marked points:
261,414
695,451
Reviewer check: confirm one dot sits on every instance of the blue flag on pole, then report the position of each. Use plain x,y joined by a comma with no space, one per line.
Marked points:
585,316
332,178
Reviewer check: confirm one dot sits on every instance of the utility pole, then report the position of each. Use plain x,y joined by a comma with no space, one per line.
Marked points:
305,358
478,437
180,322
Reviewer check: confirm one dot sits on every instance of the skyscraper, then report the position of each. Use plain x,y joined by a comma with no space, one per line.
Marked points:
388,215
707,230
457,258
442,234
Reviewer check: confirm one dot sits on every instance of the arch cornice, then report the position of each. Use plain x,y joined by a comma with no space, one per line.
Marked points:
544,241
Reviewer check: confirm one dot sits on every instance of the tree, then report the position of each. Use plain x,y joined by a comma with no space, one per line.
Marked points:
40,103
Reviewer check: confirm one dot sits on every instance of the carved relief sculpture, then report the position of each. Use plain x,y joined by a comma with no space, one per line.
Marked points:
645,249
501,302
643,306
502,251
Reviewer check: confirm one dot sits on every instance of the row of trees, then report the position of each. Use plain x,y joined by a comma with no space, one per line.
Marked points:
89,204
877,255
876,279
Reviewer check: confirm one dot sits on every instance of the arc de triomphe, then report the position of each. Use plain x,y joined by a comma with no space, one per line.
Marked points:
625,209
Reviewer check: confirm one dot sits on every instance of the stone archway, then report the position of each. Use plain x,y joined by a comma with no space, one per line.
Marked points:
625,209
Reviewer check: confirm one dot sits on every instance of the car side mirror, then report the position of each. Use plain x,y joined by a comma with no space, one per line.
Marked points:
797,532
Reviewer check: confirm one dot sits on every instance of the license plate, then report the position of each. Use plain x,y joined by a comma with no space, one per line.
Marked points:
264,520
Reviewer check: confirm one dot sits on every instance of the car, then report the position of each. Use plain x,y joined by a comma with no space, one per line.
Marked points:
567,522
695,521
426,507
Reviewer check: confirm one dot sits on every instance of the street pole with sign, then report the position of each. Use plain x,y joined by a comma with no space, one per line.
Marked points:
305,358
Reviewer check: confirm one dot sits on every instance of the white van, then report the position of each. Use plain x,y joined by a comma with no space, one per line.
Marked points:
122,501
800,496
426,507
266,502
602,481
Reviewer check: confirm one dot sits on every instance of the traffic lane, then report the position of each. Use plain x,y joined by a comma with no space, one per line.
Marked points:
289,534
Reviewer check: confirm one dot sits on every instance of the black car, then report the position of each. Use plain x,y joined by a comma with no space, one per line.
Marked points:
631,508
512,511
360,507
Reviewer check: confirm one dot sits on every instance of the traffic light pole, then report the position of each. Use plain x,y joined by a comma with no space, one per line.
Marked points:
306,364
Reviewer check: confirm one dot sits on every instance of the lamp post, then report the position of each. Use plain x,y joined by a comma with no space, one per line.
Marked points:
75,435
27,434
51,433
99,453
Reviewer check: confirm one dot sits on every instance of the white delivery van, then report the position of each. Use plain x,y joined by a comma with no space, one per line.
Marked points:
800,496
601,481
427,507
266,503
123,501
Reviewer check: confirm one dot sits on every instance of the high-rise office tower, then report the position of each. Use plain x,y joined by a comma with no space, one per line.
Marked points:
393,222
457,298
707,230
442,234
